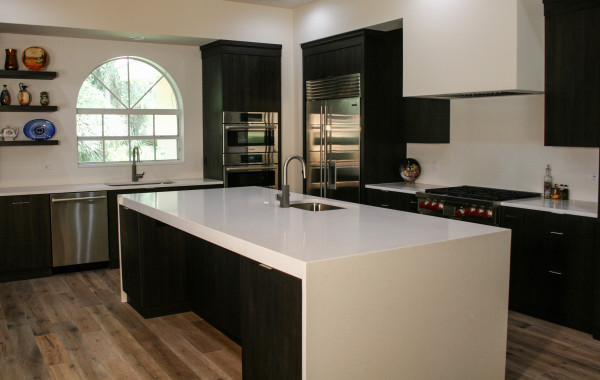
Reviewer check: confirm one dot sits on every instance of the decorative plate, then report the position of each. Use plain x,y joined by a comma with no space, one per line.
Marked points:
39,129
35,58
410,170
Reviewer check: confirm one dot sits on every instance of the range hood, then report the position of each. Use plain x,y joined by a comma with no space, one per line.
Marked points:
468,49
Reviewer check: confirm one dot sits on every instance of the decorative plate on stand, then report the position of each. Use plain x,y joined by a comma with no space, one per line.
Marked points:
39,129
35,58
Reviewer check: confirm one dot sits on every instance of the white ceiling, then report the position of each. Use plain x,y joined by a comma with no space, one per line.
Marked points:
276,3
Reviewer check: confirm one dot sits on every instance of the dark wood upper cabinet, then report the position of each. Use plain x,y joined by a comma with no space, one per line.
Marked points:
241,76
572,114
426,121
377,56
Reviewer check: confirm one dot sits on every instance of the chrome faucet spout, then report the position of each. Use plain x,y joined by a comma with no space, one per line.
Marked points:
284,198
135,157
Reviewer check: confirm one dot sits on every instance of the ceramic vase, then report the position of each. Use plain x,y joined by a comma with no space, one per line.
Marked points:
44,98
5,97
24,96
11,62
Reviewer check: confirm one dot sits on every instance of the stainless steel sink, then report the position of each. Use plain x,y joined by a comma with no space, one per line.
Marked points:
165,182
315,206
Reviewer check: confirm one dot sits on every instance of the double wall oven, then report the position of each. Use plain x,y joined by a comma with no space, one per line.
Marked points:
250,149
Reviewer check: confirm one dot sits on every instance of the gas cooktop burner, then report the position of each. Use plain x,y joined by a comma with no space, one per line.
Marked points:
481,193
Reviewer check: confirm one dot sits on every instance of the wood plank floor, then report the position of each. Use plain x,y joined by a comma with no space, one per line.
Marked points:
74,326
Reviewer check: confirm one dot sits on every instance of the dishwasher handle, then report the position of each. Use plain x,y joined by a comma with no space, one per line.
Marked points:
77,199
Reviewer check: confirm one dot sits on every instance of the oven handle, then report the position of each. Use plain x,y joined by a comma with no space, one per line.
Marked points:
250,128
250,168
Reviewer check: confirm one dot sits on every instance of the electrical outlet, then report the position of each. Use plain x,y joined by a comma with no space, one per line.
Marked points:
594,176
48,166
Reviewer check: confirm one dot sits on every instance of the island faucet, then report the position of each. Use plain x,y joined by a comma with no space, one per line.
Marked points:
284,197
134,174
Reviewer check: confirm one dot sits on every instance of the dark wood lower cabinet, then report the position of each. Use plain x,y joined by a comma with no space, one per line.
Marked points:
552,266
26,250
271,323
214,285
392,199
165,271
159,254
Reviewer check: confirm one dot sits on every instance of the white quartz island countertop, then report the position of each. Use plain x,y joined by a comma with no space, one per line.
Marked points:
250,220
385,294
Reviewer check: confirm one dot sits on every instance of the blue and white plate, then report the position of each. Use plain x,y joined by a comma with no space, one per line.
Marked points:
39,129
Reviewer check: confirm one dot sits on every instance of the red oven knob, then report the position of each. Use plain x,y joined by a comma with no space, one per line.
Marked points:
428,205
468,211
487,214
459,213
475,212
435,207
421,204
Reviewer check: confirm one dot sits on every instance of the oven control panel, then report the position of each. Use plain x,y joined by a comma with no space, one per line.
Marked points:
477,213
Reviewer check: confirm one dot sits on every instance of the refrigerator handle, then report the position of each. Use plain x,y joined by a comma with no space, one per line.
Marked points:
325,159
332,175
321,154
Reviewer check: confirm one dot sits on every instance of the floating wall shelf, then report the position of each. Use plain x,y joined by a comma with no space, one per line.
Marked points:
28,142
28,108
16,74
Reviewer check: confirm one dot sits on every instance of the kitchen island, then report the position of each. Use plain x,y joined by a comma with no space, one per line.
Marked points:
384,294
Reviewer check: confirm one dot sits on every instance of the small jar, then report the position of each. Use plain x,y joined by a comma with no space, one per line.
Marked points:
5,97
44,98
555,192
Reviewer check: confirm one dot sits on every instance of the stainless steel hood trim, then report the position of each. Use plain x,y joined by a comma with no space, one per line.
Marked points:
481,94
343,86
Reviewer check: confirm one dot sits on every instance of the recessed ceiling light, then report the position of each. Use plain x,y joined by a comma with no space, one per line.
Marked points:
137,38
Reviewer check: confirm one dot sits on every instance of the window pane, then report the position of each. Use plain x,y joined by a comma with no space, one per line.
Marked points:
89,151
93,94
146,149
115,125
166,149
117,150
160,97
113,74
166,125
141,125
142,77
89,125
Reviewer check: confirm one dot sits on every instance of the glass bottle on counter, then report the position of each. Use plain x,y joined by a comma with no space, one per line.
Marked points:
555,193
565,192
547,183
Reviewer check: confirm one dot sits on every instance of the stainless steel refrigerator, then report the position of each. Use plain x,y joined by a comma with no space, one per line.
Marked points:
333,137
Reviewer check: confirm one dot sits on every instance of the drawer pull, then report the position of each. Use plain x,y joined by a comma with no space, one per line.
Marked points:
511,216
554,272
385,205
20,203
557,233
265,266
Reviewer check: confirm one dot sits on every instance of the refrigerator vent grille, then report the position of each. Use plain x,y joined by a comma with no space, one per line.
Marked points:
344,86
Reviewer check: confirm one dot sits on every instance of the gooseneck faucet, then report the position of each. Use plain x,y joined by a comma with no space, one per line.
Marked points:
136,158
284,198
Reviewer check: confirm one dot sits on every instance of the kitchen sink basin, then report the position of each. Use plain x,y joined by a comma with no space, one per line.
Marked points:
315,206
131,183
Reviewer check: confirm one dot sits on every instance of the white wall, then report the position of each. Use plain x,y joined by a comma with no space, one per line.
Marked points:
494,141
499,142
74,59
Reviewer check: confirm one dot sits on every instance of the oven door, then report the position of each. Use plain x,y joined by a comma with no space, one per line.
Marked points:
248,139
253,175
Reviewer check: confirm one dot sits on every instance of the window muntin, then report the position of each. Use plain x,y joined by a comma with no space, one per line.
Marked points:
124,103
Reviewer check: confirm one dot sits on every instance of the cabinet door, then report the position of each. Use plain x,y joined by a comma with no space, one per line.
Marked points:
271,323
392,199
251,82
28,246
426,120
340,55
163,263
130,255
214,285
572,75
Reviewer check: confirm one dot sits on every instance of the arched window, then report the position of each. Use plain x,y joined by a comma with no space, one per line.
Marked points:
124,103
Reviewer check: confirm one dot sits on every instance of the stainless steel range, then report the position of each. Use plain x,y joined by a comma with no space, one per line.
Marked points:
468,203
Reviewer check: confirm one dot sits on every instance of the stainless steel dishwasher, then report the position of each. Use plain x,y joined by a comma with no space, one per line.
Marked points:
79,228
